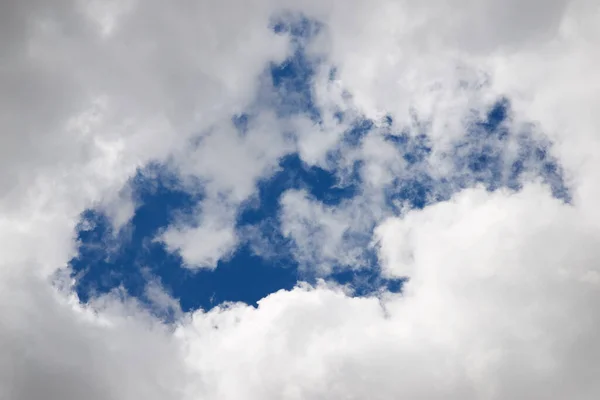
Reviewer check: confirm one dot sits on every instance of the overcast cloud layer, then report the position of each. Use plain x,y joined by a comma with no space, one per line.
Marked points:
502,299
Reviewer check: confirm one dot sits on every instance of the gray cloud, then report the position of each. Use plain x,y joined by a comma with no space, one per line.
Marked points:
503,291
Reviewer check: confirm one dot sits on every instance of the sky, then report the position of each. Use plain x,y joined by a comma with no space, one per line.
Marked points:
306,199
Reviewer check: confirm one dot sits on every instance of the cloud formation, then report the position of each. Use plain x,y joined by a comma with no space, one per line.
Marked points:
502,290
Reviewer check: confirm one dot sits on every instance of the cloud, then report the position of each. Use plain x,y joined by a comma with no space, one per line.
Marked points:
87,98
499,304
229,164
502,284
53,348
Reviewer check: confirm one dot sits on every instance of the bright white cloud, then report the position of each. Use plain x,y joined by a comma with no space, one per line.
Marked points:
500,304
503,290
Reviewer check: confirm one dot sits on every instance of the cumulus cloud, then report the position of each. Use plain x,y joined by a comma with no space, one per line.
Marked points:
502,291
499,304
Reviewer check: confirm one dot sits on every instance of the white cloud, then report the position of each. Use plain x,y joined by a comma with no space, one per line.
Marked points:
82,106
318,233
500,304
204,245
228,164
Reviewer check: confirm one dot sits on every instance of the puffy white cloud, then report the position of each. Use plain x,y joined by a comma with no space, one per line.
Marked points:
213,238
500,304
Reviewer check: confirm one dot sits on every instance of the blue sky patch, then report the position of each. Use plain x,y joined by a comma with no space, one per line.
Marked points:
264,263
132,259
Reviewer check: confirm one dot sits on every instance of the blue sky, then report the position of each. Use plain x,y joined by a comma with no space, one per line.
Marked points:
131,258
